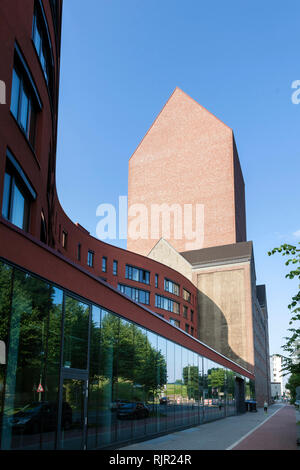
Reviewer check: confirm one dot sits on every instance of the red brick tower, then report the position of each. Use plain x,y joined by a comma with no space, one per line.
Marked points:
188,157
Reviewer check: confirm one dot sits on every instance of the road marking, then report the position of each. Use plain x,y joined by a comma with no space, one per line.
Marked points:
254,429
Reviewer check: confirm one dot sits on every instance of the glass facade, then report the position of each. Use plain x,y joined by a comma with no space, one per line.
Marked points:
80,377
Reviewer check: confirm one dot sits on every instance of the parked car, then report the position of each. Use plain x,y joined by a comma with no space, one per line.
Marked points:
133,410
164,401
40,416
116,404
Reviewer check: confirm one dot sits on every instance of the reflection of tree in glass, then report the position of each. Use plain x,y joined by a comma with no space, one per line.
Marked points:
126,355
191,379
76,327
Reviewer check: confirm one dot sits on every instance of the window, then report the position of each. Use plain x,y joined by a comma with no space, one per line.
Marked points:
138,295
64,239
90,259
156,280
192,331
39,37
79,251
137,274
186,295
174,322
166,304
104,264
43,232
115,268
16,199
187,329
22,105
185,311
171,287
192,315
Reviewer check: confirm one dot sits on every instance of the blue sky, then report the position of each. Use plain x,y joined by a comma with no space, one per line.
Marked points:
121,60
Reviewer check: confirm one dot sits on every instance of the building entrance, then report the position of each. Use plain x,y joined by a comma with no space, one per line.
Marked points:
72,423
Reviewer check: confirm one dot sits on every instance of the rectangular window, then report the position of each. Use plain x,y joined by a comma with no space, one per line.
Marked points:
138,295
192,331
186,295
137,274
64,239
174,322
156,280
22,106
104,264
172,287
90,259
16,202
39,38
192,315
187,329
166,304
185,311
115,268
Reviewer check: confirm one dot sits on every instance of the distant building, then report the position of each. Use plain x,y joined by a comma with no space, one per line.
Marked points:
276,372
276,390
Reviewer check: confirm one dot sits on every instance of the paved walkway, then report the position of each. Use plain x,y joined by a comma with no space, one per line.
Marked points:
277,433
276,430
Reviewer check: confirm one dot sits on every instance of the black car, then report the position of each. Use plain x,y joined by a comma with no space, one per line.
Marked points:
164,401
133,410
39,417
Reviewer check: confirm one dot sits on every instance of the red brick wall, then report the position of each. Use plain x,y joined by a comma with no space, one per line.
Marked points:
187,158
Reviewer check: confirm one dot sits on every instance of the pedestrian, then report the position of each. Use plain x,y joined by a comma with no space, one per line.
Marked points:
266,407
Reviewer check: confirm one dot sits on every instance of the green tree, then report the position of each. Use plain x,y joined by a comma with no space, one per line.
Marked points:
291,364
191,381
292,384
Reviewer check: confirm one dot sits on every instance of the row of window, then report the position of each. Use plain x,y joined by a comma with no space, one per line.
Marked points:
175,322
138,295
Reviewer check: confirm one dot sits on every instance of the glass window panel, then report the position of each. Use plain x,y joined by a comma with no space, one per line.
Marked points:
141,380
5,304
18,207
24,110
37,38
26,422
178,385
125,382
94,401
72,417
76,328
51,387
152,385
185,385
6,195
108,376
15,94
171,382
163,408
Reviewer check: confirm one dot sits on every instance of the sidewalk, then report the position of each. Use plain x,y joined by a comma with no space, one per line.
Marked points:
276,430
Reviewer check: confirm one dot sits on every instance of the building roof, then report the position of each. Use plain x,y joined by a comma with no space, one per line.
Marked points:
220,254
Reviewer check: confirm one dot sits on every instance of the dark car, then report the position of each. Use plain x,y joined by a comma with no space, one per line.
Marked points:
116,404
40,416
164,401
133,411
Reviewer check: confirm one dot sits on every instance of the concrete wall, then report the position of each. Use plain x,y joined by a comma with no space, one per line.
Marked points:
224,306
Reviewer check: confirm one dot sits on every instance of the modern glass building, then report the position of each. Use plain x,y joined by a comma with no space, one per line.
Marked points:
81,377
